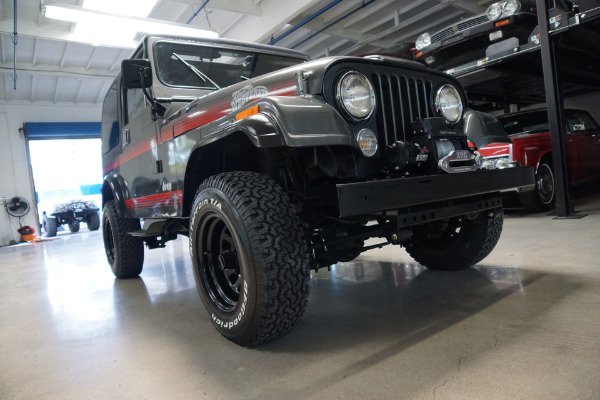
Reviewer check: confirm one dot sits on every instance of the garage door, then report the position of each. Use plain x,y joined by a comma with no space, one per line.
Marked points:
62,130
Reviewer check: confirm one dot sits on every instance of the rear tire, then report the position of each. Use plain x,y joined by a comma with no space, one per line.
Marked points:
93,222
51,226
124,253
249,257
542,198
458,243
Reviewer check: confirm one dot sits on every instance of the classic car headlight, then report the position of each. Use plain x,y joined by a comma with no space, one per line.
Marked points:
494,11
423,41
448,103
367,141
511,7
503,9
356,95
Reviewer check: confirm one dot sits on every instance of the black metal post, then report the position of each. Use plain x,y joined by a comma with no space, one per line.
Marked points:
554,101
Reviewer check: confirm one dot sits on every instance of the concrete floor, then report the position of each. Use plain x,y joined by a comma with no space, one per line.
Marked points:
524,324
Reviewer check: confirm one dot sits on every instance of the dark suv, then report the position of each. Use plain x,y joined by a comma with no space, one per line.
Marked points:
274,165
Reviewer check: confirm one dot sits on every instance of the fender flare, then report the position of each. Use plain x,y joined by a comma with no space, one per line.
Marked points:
294,122
114,185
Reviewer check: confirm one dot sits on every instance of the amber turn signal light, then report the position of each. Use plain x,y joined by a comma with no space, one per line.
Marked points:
246,113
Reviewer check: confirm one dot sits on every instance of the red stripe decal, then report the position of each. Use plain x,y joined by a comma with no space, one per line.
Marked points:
151,200
192,121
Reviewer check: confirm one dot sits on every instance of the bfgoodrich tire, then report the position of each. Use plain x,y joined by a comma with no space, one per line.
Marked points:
249,257
458,243
124,253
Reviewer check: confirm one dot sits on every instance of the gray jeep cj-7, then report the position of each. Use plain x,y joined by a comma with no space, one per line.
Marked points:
274,165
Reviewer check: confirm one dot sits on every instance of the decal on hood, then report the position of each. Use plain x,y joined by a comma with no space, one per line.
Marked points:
247,93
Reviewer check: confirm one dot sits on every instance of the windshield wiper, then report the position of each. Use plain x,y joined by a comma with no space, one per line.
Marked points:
196,71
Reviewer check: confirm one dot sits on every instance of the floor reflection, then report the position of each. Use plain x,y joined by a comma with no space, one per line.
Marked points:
364,301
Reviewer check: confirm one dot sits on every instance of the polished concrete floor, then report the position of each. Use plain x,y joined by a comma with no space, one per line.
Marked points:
524,324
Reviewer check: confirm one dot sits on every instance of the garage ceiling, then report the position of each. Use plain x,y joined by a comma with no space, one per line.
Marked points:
56,65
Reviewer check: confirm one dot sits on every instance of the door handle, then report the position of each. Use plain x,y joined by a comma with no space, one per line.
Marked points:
126,137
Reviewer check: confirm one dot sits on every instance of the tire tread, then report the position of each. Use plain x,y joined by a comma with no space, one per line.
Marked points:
278,248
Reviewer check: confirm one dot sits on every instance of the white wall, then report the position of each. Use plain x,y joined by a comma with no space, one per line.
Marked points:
15,167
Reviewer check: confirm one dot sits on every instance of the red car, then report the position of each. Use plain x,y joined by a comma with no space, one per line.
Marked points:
531,145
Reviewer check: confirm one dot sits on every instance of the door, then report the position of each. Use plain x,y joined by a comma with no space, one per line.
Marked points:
138,163
584,145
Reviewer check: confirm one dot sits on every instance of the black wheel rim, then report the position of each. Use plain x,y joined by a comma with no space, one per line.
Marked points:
545,184
218,263
109,244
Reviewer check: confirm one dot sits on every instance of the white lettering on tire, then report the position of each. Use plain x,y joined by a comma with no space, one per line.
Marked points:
230,324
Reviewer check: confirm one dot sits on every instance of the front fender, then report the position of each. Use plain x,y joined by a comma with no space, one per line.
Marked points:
306,121
114,188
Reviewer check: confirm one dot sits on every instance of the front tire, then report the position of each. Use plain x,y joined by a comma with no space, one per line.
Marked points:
458,243
542,198
249,257
93,222
124,253
74,226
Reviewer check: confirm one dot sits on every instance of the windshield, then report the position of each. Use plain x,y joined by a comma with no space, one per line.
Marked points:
191,65
529,122
537,121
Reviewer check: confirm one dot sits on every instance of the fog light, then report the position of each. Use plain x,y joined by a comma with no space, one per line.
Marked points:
367,142
495,36
430,60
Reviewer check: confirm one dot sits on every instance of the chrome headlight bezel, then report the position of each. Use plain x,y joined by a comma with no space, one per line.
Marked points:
423,41
348,101
446,105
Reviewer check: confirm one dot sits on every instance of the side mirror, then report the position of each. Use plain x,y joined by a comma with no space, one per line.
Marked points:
137,73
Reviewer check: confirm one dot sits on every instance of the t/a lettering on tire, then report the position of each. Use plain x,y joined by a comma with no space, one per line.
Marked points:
249,257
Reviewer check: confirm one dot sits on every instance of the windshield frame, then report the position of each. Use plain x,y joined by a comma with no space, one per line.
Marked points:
217,46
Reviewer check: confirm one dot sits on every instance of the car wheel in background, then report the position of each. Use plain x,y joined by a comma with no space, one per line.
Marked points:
93,222
542,198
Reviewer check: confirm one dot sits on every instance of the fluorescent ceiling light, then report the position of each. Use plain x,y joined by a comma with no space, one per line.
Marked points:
134,8
105,23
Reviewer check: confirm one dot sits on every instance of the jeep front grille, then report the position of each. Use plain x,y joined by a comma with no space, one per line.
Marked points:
459,27
400,101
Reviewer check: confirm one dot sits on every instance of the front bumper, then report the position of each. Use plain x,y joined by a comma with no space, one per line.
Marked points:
368,197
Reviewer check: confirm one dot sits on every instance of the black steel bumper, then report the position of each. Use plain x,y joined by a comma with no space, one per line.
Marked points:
369,197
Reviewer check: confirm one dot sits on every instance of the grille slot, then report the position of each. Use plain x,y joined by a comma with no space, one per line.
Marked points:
401,100
461,26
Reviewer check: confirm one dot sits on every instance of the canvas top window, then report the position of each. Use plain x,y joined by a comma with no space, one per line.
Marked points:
206,67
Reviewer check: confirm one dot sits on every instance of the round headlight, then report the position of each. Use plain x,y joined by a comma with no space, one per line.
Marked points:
448,103
502,163
494,11
367,141
423,41
511,7
356,95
